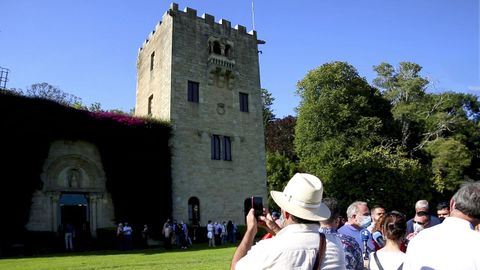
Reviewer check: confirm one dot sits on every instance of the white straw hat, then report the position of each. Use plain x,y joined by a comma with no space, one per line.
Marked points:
302,197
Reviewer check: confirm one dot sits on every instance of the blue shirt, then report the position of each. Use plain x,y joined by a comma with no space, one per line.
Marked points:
353,252
350,230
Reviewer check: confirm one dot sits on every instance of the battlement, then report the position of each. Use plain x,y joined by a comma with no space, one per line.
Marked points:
192,14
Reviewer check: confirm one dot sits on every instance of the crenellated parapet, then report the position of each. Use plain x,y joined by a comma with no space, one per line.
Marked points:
191,13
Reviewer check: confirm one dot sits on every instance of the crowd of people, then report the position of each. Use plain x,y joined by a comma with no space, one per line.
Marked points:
311,233
176,233
220,233
124,236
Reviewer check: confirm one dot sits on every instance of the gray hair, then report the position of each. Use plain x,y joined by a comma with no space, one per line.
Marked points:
467,199
353,208
421,204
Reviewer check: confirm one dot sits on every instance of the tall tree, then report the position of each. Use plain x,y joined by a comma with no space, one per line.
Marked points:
401,85
344,136
338,109
267,102
450,158
440,128
279,135
279,170
47,91
404,88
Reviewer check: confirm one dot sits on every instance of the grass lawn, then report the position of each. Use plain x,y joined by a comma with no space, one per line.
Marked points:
197,257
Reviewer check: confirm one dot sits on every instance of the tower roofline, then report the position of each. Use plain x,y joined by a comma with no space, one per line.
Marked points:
192,14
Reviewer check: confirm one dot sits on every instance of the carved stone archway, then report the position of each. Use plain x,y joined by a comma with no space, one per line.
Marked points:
72,167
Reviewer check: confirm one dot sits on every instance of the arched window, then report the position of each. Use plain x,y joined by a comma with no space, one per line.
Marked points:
216,48
194,210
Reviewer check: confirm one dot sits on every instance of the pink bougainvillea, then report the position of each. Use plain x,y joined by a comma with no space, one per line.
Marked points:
121,118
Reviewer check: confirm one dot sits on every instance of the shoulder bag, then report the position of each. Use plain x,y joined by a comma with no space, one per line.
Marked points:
321,252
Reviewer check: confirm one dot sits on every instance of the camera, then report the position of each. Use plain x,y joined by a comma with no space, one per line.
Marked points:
257,205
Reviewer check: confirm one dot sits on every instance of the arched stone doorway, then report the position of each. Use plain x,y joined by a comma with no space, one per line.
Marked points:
74,190
74,210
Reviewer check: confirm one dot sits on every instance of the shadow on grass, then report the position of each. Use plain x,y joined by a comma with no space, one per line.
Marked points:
148,251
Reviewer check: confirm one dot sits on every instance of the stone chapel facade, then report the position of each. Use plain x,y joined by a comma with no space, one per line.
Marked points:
203,77
73,191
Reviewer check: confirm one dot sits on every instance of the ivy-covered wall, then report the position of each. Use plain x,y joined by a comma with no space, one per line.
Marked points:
135,154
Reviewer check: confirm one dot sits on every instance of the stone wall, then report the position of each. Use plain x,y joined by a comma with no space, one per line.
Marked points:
221,186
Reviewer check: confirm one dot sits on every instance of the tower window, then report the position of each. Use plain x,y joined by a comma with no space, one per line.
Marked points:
152,60
227,148
150,101
216,48
221,147
243,99
216,147
193,91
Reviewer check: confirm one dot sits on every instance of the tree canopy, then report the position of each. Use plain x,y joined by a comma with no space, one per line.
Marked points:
391,142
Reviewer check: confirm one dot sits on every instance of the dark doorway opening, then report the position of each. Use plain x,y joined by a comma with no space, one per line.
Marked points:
74,211
76,215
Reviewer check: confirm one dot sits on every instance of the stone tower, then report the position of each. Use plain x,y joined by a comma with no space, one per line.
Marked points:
203,77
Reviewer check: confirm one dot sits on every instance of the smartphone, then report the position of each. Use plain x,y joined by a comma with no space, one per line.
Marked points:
257,205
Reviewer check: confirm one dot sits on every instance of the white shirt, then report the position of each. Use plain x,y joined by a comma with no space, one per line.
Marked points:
390,260
210,229
452,244
127,230
294,247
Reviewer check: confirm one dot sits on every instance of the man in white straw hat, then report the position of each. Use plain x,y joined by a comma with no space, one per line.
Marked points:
298,245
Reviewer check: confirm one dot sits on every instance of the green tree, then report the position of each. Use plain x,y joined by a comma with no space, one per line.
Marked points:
450,136
405,89
403,85
447,114
267,102
338,110
439,128
47,91
279,170
344,135
450,158
383,176
279,135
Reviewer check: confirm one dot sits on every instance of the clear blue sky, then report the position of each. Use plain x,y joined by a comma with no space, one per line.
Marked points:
89,47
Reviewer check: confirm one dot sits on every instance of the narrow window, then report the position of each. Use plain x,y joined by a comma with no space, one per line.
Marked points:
150,101
152,60
215,147
193,91
243,98
227,148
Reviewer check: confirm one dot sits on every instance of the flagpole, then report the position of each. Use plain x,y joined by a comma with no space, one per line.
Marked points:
253,16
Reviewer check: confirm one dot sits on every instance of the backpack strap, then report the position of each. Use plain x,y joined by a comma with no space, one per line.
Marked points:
377,261
322,248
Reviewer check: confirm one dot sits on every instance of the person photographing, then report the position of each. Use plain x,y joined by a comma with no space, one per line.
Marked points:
298,245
